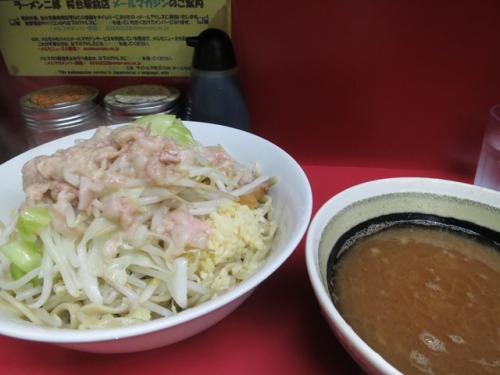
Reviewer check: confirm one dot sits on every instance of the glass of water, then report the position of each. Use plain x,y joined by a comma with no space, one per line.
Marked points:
488,168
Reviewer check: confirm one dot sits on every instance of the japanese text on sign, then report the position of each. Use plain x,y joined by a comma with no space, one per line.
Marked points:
104,37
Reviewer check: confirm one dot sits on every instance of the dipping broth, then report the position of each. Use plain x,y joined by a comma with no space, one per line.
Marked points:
425,297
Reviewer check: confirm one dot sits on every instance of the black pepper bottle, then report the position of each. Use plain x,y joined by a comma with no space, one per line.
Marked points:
215,94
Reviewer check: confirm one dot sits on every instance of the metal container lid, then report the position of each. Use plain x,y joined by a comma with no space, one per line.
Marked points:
139,100
57,104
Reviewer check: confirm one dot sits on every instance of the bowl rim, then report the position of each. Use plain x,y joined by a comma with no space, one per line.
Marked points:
369,189
61,336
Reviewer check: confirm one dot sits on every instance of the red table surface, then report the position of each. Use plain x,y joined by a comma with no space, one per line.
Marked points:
279,329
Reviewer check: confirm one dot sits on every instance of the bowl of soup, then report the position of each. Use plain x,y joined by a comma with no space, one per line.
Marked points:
407,274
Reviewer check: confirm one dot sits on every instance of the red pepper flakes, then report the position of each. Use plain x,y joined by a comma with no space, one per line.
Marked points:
61,95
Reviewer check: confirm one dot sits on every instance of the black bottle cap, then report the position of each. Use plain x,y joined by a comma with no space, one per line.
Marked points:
213,50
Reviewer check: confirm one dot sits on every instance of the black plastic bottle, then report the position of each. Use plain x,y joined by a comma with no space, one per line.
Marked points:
215,94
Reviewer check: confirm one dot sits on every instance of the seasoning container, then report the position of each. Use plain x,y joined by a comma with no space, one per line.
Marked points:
131,102
215,94
56,111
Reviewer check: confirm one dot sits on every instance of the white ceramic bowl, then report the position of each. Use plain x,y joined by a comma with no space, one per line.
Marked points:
292,199
372,199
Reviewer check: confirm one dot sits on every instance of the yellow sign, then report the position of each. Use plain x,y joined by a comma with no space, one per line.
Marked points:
104,37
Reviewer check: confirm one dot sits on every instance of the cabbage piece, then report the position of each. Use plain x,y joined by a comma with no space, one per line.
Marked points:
16,272
30,221
24,255
141,314
24,252
168,126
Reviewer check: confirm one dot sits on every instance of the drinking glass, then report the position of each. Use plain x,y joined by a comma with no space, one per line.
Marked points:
488,167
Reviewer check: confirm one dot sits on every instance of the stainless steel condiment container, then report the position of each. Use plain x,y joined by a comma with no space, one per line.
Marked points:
56,111
131,102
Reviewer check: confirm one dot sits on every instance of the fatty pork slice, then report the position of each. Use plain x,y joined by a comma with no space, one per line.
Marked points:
67,165
185,230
